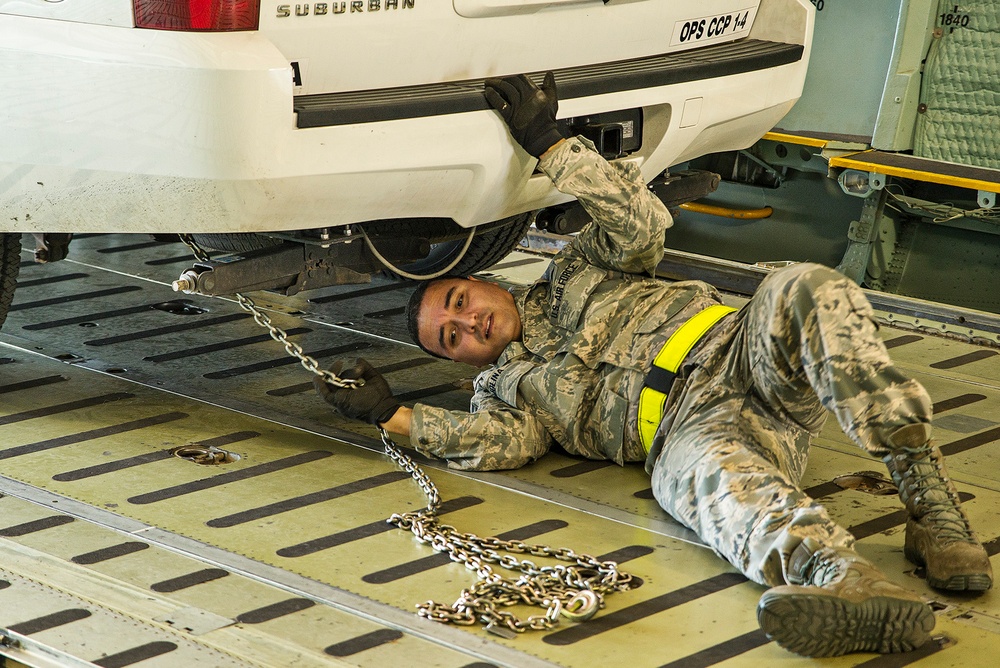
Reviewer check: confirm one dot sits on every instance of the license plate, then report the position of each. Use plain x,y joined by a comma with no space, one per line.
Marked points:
713,28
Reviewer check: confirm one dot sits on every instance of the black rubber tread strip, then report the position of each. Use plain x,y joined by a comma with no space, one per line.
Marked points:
35,526
275,610
231,476
386,313
189,580
437,559
970,442
90,317
156,456
112,552
136,654
960,401
286,361
580,468
28,384
222,345
130,247
353,487
101,469
298,388
624,554
66,299
721,652
417,395
824,489
170,329
367,530
962,360
364,642
52,621
46,411
49,280
90,435
643,609
903,340
364,292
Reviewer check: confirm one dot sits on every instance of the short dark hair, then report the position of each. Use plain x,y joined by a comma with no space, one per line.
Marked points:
413,314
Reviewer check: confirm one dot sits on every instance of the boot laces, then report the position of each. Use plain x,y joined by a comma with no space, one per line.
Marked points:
822,568
934,502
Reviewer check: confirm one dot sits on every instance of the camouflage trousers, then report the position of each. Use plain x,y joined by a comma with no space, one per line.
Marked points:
735,438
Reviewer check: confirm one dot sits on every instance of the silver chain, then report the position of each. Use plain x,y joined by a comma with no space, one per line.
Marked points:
278,334
574,591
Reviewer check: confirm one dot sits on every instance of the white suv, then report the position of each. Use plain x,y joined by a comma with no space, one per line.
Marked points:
299,121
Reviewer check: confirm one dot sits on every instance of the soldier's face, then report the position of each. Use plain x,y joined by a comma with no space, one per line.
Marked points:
468,320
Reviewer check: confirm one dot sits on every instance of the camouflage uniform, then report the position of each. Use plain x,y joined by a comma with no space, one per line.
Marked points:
730,451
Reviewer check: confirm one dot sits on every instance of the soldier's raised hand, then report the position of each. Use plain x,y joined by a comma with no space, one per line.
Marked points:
529,111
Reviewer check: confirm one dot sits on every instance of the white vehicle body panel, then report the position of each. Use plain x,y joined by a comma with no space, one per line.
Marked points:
108,128
103,12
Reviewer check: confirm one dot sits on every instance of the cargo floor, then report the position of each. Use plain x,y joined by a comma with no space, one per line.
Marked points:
115,552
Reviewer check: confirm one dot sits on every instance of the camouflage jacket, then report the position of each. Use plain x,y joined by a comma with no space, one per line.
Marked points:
590,329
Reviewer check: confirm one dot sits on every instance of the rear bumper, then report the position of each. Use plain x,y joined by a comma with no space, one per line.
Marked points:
451,98
111,129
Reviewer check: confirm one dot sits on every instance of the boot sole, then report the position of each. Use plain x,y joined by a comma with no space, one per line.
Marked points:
958,582
816,625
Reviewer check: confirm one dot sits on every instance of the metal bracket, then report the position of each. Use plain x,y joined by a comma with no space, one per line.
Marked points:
861,236
986,199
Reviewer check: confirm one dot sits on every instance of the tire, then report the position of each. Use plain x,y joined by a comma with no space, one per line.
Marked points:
237,242
10,265
490,244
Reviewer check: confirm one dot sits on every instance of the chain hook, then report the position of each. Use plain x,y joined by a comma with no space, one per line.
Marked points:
582,606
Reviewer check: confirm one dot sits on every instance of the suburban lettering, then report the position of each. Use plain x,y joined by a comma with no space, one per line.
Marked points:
341,7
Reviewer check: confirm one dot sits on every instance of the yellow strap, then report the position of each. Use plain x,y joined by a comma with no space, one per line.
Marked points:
670,357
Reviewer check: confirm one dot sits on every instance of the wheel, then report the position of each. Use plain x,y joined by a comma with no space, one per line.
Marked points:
236,242
10,265
490,244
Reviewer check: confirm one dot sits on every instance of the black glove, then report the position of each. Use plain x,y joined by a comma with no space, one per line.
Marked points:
372,402
530,111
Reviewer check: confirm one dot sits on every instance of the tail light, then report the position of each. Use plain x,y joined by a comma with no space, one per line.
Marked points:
197,15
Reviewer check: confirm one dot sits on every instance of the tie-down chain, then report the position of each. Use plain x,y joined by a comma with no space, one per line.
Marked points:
574,591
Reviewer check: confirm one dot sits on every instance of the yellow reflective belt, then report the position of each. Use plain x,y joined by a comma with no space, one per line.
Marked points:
667,363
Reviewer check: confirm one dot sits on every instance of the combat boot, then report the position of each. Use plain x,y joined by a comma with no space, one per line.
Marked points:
836,602
938,535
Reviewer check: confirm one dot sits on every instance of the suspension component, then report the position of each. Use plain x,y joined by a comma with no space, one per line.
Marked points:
291,267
